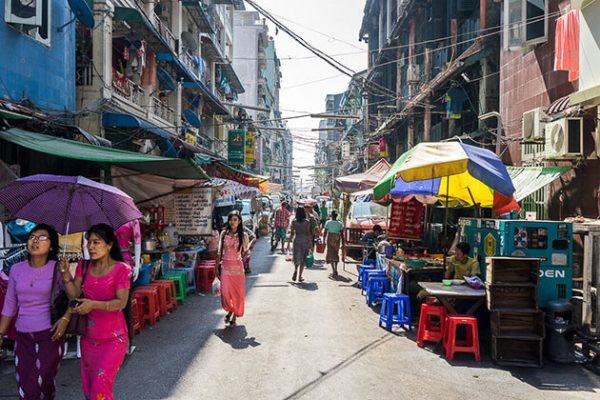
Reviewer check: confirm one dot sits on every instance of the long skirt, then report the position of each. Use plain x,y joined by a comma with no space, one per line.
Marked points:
232,287
301,250
36,363
100,362
333,248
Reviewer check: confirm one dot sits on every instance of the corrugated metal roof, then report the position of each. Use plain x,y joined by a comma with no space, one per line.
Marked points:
527,180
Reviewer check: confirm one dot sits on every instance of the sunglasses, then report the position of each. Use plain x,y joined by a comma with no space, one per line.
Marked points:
41,238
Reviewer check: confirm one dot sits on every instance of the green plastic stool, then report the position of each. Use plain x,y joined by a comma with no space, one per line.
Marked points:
180,279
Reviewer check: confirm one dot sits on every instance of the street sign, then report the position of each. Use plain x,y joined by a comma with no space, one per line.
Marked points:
250,147
236,147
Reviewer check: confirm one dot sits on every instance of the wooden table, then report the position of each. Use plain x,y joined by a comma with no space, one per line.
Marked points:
445,293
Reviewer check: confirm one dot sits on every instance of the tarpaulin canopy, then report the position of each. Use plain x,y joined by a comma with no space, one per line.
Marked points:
221,170
528,180
167,167
363,180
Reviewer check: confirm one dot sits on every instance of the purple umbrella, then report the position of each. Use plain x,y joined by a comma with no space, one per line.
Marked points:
68,203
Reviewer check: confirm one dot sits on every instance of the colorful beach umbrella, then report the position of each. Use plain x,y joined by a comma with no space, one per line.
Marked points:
455,173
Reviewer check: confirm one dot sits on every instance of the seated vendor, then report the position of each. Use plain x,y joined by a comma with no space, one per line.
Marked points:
370,239
461,265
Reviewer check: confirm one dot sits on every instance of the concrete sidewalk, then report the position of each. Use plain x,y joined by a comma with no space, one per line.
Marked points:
316,340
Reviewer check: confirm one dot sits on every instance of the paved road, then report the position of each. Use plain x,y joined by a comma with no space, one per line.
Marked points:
317,340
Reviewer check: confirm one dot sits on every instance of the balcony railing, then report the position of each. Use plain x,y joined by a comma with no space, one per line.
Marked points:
163,110
467,32
84,73
164,31
189,61
126,88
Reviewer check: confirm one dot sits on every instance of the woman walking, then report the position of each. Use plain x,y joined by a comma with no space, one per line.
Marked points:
38,345
301,234
233,246
103,282
332,235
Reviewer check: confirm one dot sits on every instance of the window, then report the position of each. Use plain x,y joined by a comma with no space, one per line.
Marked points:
32,17
525,23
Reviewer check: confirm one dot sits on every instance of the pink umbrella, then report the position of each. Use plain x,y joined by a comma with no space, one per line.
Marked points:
68,203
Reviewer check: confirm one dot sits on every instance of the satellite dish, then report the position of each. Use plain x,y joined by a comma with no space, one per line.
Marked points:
191,117
82,12
189,41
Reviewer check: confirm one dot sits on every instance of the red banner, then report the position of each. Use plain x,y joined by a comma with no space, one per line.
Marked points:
406,220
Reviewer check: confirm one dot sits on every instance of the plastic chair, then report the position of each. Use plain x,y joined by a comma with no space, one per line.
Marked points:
137,326
395,310
205,275
361,268
368,261
377,286
452,345
149,296
368,274
180,280
190,276
170,293
431,329
162,297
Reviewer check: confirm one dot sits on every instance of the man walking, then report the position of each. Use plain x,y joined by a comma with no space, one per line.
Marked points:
281,222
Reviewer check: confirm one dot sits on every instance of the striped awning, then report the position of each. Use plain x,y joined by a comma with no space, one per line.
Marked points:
559,105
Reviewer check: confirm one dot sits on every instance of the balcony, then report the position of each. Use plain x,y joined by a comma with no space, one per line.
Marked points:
163,111
127,89
212,48
191,64
166,34
84,73
150,27
200,15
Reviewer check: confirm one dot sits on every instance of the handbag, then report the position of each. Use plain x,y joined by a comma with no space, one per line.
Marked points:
78,323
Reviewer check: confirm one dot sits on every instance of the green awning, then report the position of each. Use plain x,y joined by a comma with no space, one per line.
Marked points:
175,168
528,180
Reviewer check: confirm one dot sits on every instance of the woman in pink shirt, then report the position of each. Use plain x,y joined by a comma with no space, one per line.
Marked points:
37,350
104,284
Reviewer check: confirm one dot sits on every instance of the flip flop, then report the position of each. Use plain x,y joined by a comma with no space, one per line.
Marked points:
294,277
227,318
301,279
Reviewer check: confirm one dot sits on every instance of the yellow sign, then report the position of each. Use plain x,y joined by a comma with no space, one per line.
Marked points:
190,138
250,147
490,245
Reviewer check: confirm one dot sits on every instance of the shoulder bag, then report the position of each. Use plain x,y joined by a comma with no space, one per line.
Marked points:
78,323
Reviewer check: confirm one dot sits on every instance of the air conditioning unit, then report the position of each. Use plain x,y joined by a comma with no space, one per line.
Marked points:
24,12
532,127
345,150
413,73
564,139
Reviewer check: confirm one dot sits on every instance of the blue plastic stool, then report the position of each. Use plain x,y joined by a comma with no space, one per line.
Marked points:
377,286
191,277
368,274
361,268
395,310
368,261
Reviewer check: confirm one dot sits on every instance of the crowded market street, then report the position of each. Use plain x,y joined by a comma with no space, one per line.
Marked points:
315,340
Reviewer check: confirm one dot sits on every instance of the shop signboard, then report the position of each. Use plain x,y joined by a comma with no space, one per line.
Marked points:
224,196
406,220
193,211
250,147
236,149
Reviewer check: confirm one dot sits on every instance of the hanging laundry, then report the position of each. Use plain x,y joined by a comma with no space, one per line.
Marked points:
566,48
455,100
149,74
126,54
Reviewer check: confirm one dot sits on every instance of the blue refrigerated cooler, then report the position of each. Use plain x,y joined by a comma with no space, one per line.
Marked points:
551,241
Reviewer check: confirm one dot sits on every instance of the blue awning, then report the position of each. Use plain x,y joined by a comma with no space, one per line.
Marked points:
209,96
128,121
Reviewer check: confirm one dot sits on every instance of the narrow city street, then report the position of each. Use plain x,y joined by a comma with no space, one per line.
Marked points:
316,340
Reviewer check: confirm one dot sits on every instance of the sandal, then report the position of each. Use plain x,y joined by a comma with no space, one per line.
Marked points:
227,318
294,277
233,321
301,279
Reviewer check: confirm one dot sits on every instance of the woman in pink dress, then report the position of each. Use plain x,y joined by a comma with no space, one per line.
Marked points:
233,246
104,284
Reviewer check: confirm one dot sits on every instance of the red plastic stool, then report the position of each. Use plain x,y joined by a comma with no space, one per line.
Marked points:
162,297
169,292
207,273
451,345
135,316
149,296
430,329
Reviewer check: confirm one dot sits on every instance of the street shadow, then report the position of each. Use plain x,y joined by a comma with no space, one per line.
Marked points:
304,390
236,337
556,377
339,278
310,286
